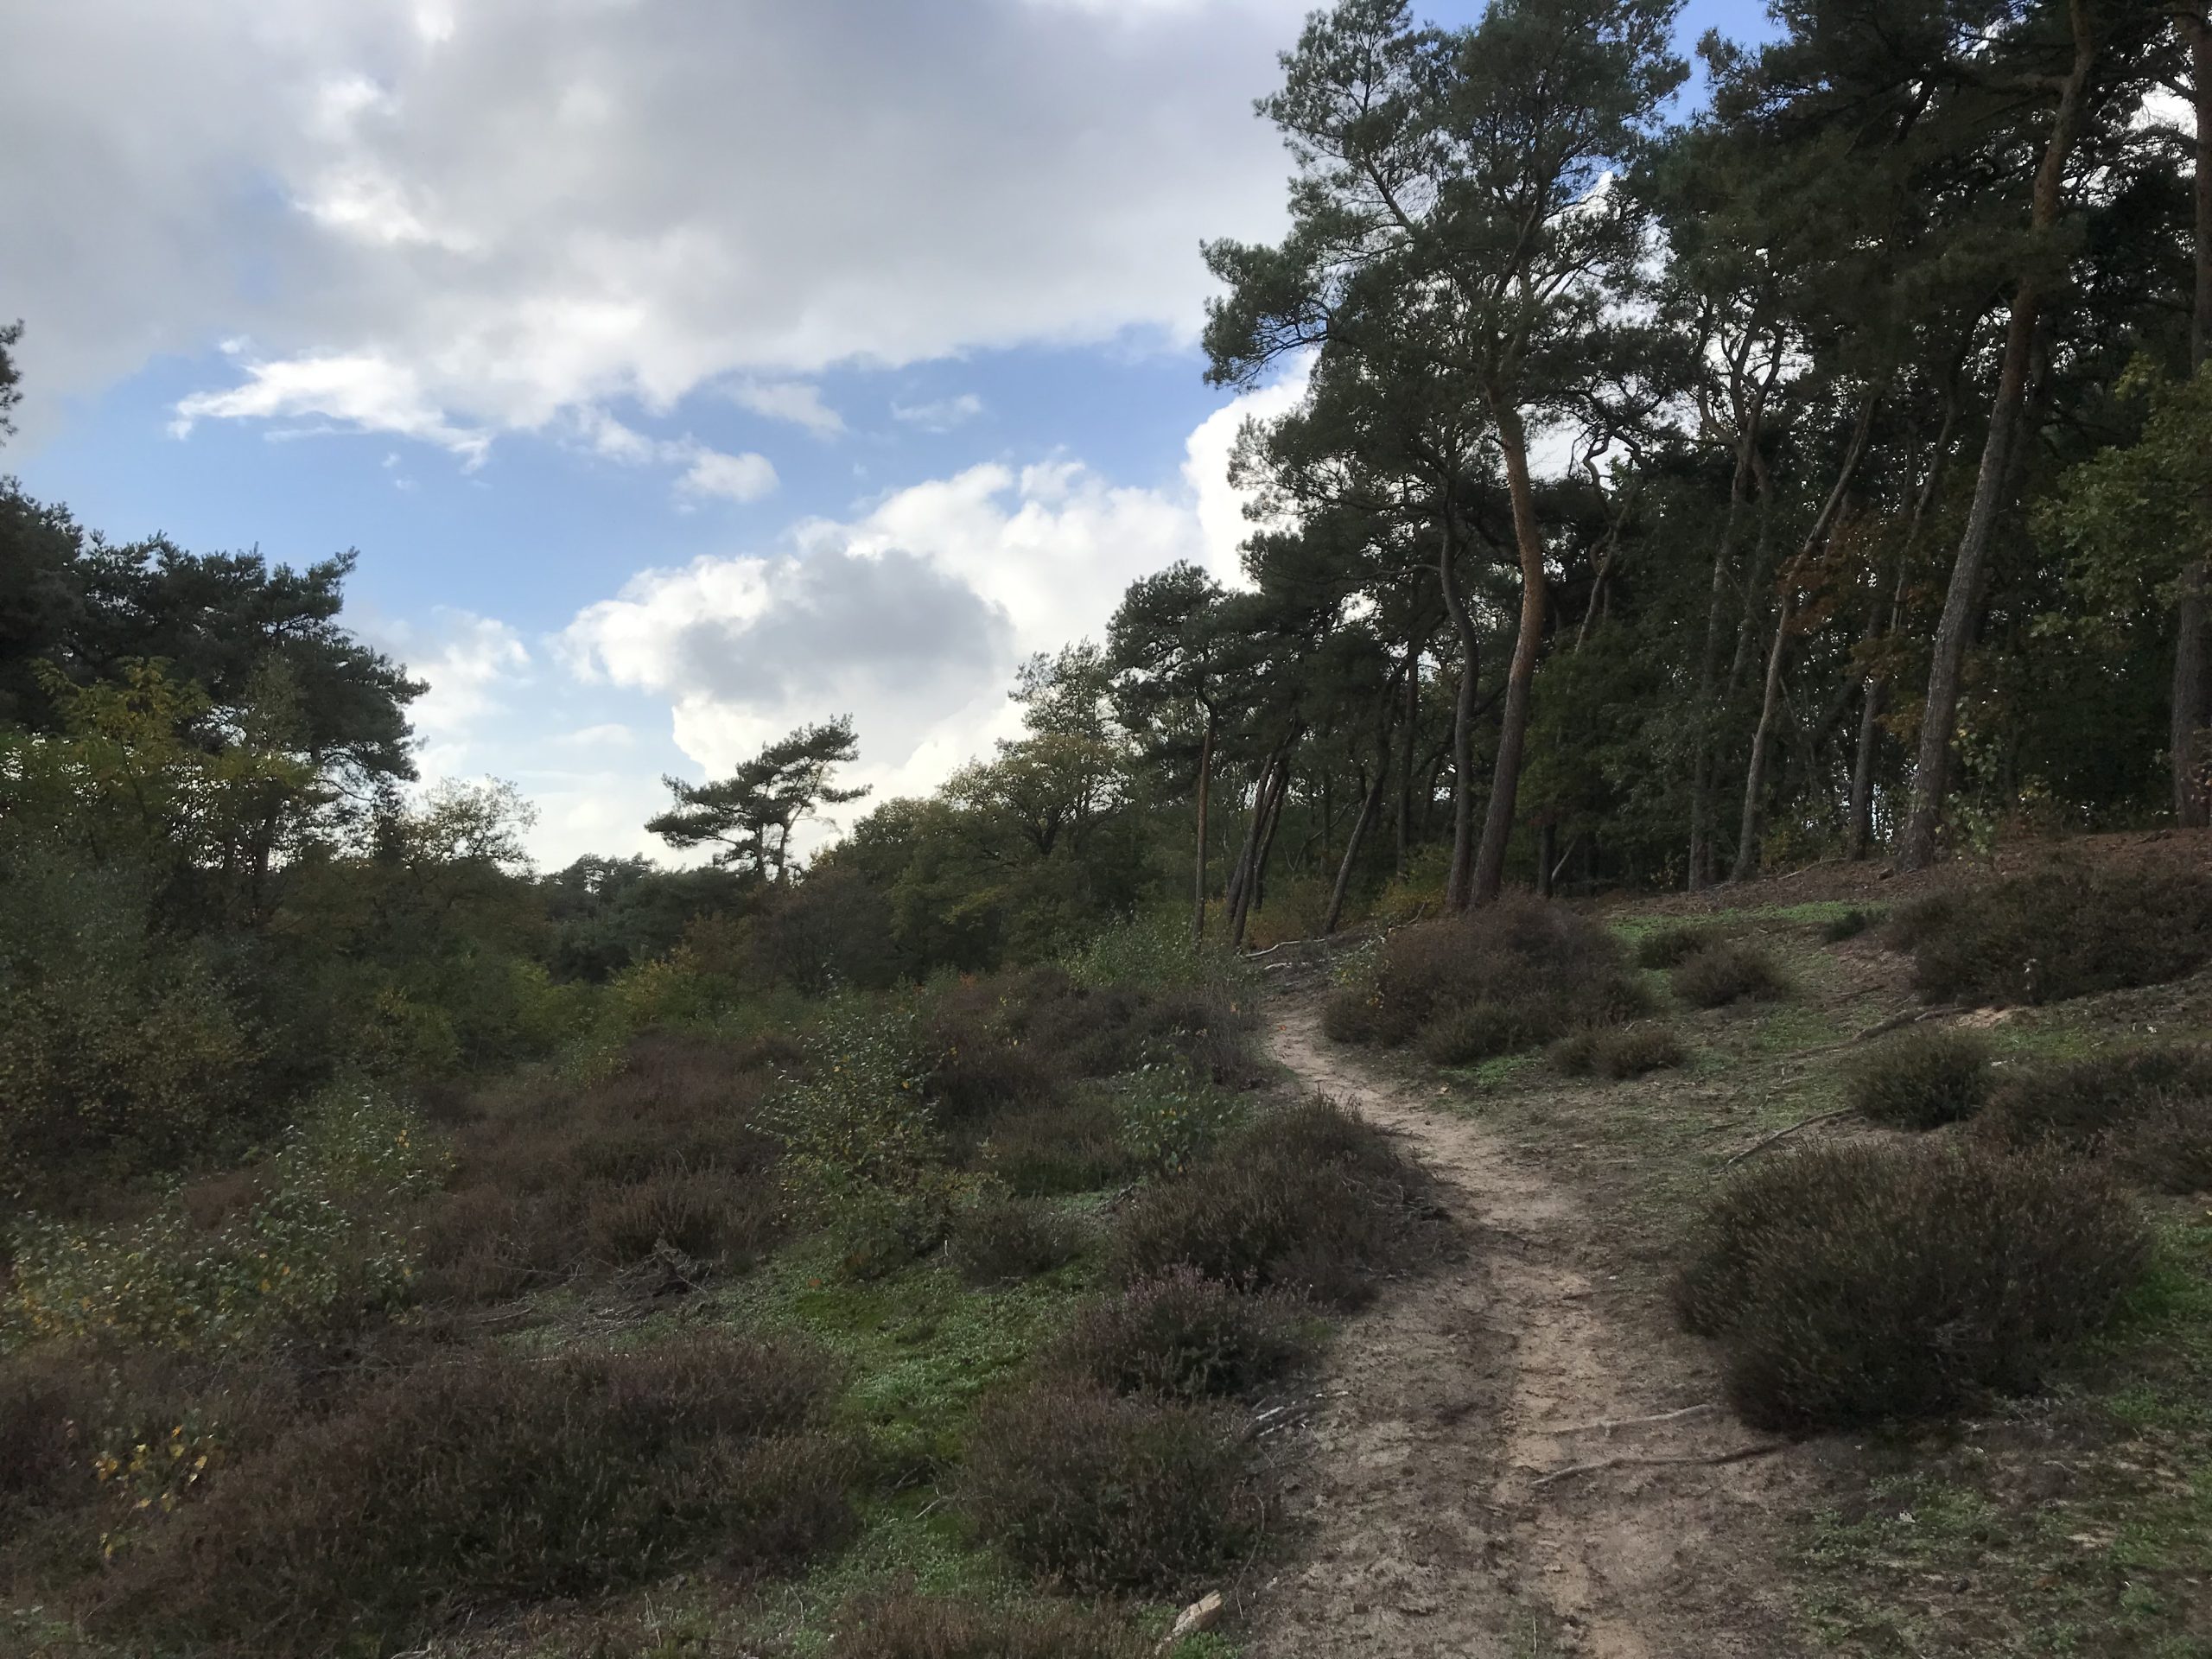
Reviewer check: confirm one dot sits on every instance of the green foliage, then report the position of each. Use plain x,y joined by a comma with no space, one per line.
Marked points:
1182,1334
2058,933
1000,1238
1075,1146
1101,1493
1852,1284
1924,1079
323,1247
2148,1113
1167,1119
920,1627
1735,971
748,816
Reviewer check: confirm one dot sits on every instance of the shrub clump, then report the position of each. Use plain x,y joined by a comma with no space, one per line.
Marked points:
1181,1333
2057,934
1509,976
1924,1079
1848,924
1003,1237
927,1627
1075,1146
1677,942
1856,1283
1102,1493
1734,970
494,1477
1629,1051
2149,1114
1308,1198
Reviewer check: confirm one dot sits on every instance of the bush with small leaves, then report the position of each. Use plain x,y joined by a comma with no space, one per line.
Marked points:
1308,1198
1848,924
1075,1146
1630,1052
1103,1493
1508,977
1002,1238
1922,1079
495,1477
2148,1114
1182,1333
2059,933
1852,1284
1674,942
1736,970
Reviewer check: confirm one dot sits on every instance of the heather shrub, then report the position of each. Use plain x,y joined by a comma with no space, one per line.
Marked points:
2149,1114
2059,933
1103,1493
493,1479
1182,1333
1674,942
1003,1237
707,1216
1734,970
1308,1198
1922,1079
1507,976
1627,1052
1075,1146
1851,1284
926,1627
1849,924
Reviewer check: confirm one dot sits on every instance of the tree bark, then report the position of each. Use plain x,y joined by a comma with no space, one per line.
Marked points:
1206,775
1513,724
1939,717
1747,837
1352,847
2192,787
1457,883
1406,761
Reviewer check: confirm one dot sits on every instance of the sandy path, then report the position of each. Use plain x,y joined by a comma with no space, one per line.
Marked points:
1449,1401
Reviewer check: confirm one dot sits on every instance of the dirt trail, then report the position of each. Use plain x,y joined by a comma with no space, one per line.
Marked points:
1449,1401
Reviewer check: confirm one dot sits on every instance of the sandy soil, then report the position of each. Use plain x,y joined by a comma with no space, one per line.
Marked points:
1439,1521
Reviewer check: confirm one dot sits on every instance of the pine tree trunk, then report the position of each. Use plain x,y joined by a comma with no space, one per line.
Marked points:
1939,715
1513,724
1699,874
1457,885
1407,760
1206,776
2192,789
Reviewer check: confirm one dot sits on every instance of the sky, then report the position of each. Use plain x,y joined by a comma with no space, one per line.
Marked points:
682,371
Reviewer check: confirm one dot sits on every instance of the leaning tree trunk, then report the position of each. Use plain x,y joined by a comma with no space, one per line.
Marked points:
1513,724
1939,715
1708,670
1747,838
1407,760
1457,884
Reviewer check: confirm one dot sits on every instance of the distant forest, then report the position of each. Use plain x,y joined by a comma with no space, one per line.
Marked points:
1685,483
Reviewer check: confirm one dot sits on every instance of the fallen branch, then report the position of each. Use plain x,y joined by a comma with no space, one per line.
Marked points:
1740,1455
1764,1142
1609,1424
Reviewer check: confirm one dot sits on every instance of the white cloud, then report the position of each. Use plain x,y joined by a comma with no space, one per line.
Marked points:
732,478
449,222
706,472
798,402
942,416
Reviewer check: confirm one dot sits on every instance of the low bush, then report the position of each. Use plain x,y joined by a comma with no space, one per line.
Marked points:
1075,1146
1922,1079
1629,1051
1849,924
1182,1333
1308,1198
2148,1113
1004,1237
1856,1283
926,1627
1508,977
709,1216
1674,942
1735,971
2059,933
1103,1493
496,1478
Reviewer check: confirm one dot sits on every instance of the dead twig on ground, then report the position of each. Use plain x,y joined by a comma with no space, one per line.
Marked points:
1740,1455
1609,1424
1766,1140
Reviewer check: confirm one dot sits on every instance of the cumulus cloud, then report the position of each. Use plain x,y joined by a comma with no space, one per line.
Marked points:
469,221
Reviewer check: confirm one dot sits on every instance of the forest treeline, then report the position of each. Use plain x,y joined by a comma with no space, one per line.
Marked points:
1682,484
